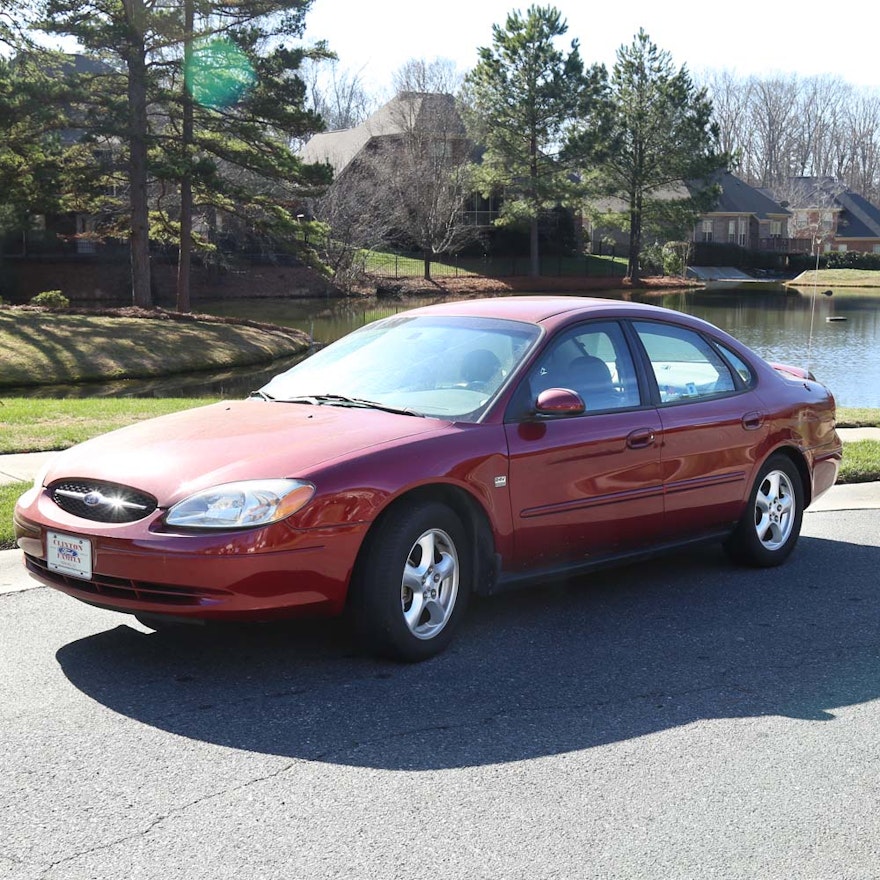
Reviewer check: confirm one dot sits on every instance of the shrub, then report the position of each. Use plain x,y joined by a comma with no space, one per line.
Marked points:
51,299
852,260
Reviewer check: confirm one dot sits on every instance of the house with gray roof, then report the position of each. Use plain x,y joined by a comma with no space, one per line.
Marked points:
434,116
823,208
745,216
406,112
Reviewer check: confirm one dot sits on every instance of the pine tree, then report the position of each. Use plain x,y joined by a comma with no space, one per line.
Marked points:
523,93
650,133
202,111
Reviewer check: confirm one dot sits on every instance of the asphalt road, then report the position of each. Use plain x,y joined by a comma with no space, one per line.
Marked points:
679,719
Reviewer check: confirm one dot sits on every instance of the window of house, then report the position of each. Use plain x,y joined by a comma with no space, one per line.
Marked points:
841,248
743,232
731,230
706,231
775,229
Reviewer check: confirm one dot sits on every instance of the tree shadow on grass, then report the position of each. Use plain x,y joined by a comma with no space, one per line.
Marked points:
540,672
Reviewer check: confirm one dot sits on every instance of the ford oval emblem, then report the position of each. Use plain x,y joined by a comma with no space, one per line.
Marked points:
93,499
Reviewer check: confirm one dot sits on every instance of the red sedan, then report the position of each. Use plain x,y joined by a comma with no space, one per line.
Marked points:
454,449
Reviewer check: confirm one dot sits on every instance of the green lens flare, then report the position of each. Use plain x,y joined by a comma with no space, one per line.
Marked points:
219,74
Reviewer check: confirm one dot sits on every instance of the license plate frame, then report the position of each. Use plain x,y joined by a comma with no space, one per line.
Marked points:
69,554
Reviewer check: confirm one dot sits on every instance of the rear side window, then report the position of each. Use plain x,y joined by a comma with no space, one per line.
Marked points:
685,366
743,370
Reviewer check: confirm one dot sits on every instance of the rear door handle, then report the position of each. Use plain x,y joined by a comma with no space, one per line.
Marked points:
752,421
640,438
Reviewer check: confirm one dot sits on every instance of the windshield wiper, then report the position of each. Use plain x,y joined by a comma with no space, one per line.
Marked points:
342,400
261,395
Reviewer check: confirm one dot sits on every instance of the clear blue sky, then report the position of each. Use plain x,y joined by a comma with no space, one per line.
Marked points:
374,37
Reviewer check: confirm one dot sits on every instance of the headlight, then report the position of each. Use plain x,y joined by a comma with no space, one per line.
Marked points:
241,505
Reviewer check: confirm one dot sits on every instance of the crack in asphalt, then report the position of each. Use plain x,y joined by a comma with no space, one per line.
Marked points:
176,811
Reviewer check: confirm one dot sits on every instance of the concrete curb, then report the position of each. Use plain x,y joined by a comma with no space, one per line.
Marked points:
22,468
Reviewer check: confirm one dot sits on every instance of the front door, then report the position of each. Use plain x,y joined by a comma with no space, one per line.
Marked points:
588,485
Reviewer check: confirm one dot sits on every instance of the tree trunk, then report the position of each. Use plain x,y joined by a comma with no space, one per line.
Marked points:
635,243
186,197
137,119
534,255
427,259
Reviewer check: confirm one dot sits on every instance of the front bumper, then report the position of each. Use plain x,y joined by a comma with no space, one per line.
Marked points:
257,574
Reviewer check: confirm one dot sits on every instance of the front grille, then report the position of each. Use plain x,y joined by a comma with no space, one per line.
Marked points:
123,588
102,502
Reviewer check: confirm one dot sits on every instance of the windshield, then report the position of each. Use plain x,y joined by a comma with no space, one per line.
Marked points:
445,367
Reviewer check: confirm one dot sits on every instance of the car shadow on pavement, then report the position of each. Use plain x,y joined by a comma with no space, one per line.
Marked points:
544,671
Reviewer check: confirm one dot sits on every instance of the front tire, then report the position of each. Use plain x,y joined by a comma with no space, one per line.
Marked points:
412,583
771,523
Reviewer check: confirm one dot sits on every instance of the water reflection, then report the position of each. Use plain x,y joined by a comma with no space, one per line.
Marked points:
784,325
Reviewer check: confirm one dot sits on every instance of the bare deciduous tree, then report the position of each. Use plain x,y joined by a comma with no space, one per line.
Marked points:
782,127
440,76
337,95
427,176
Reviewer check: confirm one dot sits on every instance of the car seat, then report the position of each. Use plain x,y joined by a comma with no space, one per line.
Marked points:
590,377
478,368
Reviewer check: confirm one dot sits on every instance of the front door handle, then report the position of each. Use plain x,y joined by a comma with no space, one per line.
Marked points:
641,438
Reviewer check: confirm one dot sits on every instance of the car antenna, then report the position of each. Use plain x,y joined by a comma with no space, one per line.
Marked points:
817,239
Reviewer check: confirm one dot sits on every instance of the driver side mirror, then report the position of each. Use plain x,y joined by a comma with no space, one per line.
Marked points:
559,402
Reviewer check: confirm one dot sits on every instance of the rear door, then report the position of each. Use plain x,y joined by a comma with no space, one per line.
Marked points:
712,423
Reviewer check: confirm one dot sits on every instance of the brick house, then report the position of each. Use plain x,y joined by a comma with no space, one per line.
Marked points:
746,216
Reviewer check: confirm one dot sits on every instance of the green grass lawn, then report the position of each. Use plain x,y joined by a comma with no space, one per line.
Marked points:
40,347
837,278
403,266
40,424
8,496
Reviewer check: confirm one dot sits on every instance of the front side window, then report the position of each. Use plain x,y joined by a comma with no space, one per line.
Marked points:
594,361
684,364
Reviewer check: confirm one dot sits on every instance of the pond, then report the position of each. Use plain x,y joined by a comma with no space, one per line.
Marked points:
787,325
791,326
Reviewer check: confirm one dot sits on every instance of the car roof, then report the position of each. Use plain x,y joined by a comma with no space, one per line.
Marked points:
537,309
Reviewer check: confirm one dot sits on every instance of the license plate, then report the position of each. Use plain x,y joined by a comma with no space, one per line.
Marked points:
69,555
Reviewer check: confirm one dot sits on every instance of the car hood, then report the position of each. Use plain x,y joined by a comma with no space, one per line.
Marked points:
175,455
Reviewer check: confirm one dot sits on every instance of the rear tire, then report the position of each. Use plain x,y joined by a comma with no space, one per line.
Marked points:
412,582
771,523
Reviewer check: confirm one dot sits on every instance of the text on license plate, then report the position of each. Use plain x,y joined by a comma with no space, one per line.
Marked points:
68,554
